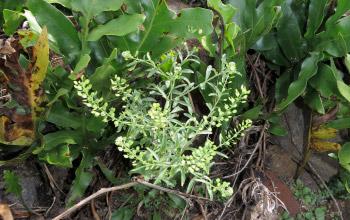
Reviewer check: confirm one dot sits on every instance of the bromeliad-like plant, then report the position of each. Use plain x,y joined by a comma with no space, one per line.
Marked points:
158,125
309,48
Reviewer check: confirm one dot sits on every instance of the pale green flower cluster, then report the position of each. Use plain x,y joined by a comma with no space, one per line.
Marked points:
121,88
99,107
158,116
234,135
222,187
200,161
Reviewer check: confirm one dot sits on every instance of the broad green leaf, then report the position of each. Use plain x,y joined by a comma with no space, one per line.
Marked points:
325,81
58,156
255,18
15,5
317,12
289,34
344,90
120,26
54,139
12,20
269,47
82,179
227,11
347,61
65,3
61,92
344,156
342,7
12,183
308,69
95,125
163,29
59,27
314,101
231,33
276,126
91,8
342,123
100,79
253,113
336,39
60,116
81,65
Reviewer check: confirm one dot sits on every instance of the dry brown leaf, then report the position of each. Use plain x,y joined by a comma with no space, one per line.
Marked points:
5,212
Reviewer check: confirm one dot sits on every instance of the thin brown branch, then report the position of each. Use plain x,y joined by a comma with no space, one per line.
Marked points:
91,197
136,181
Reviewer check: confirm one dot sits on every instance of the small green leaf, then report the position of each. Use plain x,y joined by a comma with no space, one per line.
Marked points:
12,184
54,139
109,174
227,11
58,156
314,101
344,156
342,123
253,113
100,79
12,20
344,90
347,61
81,65
120,26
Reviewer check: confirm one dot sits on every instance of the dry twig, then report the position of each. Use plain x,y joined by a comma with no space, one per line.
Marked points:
135,182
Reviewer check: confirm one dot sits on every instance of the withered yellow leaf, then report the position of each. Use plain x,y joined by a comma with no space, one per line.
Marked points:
324,146
19,127
39,68
324,133
12,134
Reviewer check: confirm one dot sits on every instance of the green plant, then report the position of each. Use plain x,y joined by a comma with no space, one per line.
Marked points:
313,203
158,124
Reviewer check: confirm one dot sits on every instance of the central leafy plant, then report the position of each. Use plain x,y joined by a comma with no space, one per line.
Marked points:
158,124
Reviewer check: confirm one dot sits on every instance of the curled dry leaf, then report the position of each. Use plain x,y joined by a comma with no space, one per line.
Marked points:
5,46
